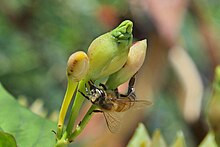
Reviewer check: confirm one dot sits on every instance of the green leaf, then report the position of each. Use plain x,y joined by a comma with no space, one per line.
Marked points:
7,140
28,128
140,138
209,141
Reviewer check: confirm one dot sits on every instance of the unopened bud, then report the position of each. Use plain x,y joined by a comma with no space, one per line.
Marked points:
108,53
158,140
77,66
134,62
180,140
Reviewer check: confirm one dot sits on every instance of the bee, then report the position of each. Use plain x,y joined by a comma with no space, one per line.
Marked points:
112,104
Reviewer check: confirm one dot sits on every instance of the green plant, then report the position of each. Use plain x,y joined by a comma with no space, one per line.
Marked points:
110,58
19,124
141,138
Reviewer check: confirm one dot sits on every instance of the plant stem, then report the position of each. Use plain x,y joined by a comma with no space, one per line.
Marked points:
71,87
63,142
76,107
82,124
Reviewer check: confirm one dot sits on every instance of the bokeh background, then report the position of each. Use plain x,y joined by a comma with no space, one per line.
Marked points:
38,36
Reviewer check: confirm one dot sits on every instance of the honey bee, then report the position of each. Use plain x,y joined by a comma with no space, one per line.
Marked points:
112,104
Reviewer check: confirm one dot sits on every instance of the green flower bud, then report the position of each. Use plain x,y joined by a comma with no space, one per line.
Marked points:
158,140
180,140
209,140
214,106
108,53
77,66
134,62
140,137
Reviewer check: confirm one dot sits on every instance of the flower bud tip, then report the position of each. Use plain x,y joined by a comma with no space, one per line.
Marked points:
77,65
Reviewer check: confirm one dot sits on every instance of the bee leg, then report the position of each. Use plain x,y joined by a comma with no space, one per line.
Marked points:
117,93
130,94
84,95
91,85
103,86
86,88
123,95
131,86
96,111
79,123
131,90
54,132
91,82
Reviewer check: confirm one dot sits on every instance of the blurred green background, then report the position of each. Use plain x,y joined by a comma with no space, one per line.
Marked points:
38,36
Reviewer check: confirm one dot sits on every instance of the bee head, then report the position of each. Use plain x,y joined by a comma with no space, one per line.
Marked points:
95,94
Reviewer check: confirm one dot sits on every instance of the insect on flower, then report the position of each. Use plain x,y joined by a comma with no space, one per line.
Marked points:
112,104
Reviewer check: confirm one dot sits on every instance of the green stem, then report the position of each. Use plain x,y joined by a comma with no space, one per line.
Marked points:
63,142
83,123
71,87
76,107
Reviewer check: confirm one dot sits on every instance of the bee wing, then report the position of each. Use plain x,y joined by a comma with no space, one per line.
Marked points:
133,103
141,104
113,120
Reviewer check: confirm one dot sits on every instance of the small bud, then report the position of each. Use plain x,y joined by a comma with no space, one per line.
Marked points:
180,140
158,140
77,66
108,53
209,140
123,31
134,62
140,137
